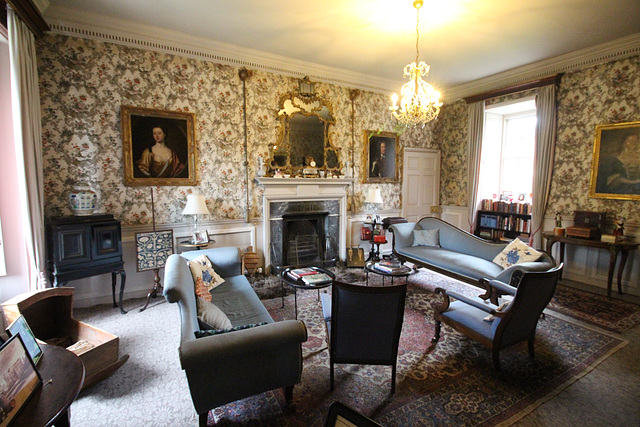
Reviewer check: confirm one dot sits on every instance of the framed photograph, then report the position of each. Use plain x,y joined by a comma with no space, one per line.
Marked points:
21,327
159,147
615,172
19,378
201,237
382,154
153,249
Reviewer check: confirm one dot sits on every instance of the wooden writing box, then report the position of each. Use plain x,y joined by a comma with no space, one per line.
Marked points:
49,314
581,231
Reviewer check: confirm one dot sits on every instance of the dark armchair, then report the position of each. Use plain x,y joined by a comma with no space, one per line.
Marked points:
512,323
364,325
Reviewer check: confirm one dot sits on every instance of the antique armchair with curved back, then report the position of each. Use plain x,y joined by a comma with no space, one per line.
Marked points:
364,325
497,327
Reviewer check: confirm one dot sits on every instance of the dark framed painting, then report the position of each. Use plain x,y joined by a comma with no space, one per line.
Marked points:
153,248
159,147
19,377
615,172
382,151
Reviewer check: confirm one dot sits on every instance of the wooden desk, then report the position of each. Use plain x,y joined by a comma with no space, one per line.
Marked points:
62,378
614,249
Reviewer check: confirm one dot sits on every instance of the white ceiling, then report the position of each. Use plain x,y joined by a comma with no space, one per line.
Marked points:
462,40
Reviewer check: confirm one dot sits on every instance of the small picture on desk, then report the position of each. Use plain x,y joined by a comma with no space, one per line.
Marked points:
19,377
200,237
20,326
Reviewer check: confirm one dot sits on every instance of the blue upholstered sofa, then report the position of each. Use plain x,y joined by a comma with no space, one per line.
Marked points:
226,367
460,254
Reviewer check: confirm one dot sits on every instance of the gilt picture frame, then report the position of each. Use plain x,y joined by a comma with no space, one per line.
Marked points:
615,171
159,147
382,154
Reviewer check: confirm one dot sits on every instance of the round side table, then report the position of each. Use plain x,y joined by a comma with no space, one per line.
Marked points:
369,267
62,375
300,284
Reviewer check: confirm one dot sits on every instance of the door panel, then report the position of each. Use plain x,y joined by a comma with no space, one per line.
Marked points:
420,184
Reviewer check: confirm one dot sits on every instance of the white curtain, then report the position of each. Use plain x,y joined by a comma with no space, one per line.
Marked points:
25,99
543,159
476,125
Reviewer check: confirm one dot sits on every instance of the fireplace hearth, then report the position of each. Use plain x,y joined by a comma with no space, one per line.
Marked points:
315,213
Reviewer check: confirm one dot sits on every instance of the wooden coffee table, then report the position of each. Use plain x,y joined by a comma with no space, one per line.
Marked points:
299,284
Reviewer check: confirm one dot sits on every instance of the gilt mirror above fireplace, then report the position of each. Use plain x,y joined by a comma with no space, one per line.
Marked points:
304,135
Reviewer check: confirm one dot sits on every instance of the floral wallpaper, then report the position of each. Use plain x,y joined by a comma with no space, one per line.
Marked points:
607,93
83,84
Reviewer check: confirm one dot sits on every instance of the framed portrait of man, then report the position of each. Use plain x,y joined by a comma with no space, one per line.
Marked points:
382,151
159,147
615,172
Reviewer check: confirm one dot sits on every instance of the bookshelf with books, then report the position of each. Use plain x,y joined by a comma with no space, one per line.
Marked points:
499,220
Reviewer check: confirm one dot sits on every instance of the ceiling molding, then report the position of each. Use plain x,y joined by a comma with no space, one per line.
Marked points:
73,22
76,23
599,54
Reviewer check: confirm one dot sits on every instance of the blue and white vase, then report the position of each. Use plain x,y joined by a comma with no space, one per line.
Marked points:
83,200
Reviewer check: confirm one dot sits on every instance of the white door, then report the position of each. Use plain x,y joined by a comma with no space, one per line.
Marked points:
420,183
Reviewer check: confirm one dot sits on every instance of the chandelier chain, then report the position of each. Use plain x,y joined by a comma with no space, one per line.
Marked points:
418,35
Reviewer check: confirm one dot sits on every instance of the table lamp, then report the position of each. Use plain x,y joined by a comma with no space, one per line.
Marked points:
196,205
374,197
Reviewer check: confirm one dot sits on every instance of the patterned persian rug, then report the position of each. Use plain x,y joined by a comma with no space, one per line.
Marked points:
451,383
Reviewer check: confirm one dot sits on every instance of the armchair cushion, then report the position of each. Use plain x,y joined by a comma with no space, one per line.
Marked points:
426,237
210,314
516,252
205,277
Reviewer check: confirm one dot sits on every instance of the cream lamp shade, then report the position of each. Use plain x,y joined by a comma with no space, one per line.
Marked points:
196,205
374,196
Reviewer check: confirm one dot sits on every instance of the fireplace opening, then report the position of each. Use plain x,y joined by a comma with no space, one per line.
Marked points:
303,238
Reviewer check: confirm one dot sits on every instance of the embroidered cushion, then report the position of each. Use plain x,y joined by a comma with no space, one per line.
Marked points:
516,252
204,277
426,237
200,334
211,314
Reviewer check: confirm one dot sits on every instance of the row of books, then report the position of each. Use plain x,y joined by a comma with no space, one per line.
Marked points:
521,225
309,276
502,206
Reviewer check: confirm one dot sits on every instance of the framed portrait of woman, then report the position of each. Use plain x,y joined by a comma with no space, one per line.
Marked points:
159,147
382,150
615,173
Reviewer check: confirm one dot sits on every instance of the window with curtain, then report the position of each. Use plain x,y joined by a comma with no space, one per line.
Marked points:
508,147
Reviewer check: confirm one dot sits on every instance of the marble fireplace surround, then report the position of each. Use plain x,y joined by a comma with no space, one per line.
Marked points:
305,190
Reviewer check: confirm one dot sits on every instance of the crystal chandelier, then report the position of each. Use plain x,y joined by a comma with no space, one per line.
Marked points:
420,102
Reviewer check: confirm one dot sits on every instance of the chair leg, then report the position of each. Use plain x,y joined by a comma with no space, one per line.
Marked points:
436,337
393,378
496,358
532,351
288,394
331,375
202,419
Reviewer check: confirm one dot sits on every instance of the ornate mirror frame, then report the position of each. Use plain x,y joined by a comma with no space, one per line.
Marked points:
303,108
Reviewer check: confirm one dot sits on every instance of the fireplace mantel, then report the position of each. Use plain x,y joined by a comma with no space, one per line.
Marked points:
304,189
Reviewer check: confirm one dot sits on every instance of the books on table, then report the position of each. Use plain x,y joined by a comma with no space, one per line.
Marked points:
309,276
391,267
316,279
297,273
